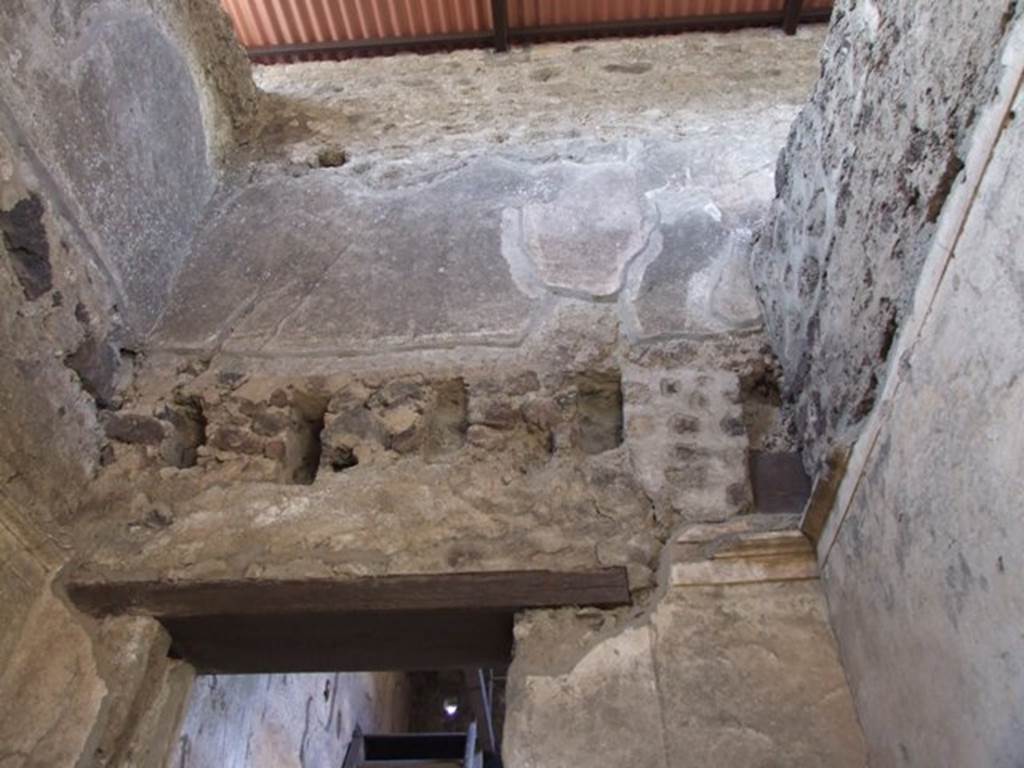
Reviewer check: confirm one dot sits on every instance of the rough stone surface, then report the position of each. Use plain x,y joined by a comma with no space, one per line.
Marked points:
469,100
448,256
609,712
739,675
923,577
479,471
23,576
582,240
50,690
52,687
690,443
318,265
74,691
748,675
484,207
698,279
24,236
50,440
286,721
399,472
860,186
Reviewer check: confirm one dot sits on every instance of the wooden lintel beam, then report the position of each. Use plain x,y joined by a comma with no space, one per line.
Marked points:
363,641
499,590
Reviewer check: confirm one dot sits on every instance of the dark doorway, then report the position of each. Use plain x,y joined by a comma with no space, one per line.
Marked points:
309,644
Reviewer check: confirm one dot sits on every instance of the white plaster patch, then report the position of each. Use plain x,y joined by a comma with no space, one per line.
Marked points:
732,300
718,296
580,242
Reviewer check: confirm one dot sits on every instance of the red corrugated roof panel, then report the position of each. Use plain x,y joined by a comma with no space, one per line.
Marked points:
262,24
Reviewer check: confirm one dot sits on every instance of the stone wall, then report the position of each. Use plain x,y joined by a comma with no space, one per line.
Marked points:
285,721
72,690
733,666
869,164
52,369
891,277
378,473
922,553
112,117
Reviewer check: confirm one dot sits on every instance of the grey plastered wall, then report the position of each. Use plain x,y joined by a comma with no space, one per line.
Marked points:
125,108
923,559
300,720
868,166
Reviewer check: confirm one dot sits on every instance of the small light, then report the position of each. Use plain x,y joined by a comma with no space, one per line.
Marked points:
451,707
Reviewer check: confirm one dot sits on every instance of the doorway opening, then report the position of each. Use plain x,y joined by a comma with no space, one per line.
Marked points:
405,669
444,717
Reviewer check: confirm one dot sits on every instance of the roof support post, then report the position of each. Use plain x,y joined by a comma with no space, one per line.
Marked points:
499,12
791,16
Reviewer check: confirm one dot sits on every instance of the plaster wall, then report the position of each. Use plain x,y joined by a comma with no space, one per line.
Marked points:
57,670
279,721
922,553
50,318
735,665
124,108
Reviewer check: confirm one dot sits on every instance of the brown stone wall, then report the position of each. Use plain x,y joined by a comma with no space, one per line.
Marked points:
55,365
89,147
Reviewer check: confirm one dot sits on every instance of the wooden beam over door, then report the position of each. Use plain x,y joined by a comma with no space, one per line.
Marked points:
438,621
498,590
343,642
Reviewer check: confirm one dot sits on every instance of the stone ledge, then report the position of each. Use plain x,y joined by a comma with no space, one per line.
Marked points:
701,533
739,555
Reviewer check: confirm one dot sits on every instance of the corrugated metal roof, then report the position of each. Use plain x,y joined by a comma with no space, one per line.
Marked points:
268,24
532,13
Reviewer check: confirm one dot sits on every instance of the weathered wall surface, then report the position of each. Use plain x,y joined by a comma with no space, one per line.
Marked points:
923,560
123,108
51,316
280,721
735,666
868,167
79,692
59,670
103,155
474,470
